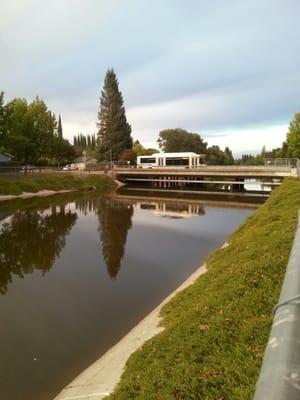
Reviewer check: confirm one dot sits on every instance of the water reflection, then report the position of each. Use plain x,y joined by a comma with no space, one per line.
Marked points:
114,222
32,239
172,210
56,325
33,234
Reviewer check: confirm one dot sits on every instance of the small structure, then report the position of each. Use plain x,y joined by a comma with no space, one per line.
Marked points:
81,163
6,158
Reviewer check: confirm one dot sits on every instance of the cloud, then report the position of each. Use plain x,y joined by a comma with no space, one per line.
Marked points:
205,66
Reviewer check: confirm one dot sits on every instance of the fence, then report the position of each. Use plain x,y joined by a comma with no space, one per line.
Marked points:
15,168
281,162
280,373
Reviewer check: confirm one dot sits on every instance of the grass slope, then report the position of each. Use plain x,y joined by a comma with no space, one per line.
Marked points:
217,329
32,183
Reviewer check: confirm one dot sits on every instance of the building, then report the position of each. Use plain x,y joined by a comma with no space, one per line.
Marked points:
6,158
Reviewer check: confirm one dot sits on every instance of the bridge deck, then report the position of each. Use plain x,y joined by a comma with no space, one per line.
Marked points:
209,171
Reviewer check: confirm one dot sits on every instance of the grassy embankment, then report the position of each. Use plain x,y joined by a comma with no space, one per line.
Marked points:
32,183
217,329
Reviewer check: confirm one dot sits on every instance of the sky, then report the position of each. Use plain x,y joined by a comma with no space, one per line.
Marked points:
228,70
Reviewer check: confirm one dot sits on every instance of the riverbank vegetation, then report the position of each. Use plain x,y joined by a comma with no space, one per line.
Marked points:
32,183
216,330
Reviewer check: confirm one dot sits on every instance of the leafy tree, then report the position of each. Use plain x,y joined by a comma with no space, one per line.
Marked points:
20,139
31,132
215,156
285,151
250,159
128,155
114,132
63,151
41,126
293,136
140,150
228,157
179,140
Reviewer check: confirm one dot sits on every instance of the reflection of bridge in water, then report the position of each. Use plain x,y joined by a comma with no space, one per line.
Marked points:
180,204
227,179
171,210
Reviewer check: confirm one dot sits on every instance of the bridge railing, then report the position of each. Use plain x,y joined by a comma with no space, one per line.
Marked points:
280,373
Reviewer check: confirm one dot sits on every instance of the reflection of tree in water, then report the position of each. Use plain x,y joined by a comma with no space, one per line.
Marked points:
114,223
86,206
32,239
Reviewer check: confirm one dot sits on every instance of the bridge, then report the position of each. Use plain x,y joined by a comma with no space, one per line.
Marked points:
225,178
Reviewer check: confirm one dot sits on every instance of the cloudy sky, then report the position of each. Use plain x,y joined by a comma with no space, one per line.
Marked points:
229,70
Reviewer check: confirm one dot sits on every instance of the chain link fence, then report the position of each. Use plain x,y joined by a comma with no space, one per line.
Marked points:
281,162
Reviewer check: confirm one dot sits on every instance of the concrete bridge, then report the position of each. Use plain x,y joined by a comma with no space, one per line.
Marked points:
227,178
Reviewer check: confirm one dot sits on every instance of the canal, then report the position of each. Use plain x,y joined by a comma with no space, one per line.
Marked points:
77,272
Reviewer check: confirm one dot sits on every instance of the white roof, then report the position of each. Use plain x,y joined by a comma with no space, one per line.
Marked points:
182,154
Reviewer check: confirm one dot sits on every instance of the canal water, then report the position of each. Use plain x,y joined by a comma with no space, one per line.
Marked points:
77,272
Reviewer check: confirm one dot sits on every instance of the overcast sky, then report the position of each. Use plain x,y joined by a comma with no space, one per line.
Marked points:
229,70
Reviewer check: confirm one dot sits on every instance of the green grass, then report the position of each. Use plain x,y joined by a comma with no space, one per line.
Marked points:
32,183
217,329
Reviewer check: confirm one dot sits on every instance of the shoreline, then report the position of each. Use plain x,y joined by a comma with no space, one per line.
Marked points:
100,379
28,195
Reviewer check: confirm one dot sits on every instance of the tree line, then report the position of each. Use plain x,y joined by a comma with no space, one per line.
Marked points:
84,142
290,148
32,133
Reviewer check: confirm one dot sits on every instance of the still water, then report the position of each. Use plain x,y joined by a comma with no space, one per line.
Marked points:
77,273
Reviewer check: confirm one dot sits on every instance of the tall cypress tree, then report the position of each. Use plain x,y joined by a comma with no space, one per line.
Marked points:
2,118
59,128
114,132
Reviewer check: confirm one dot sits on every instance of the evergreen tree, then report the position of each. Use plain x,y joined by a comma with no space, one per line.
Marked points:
114,132
89,142
59,128
2,119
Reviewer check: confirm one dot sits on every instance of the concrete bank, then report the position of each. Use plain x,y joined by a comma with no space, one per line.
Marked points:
41,193
99,380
